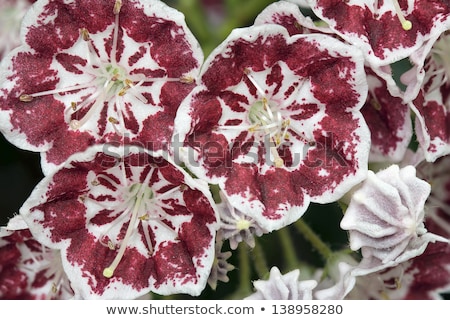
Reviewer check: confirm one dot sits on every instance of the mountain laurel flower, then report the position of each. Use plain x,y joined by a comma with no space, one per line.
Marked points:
28,269
283,287
385,217
275,122
127,221
77,80
386,31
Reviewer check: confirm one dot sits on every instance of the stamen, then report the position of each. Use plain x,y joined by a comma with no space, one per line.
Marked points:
84,33
140,193
26,98
117,7
109,271
406,24
254,82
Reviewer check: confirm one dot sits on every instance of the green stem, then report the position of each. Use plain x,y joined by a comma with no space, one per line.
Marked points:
244,272
314,239
288,249
259,261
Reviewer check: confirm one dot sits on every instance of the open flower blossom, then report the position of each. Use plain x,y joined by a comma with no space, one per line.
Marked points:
386,31
275,122
283,287
127,222
28,269
385,217
97,71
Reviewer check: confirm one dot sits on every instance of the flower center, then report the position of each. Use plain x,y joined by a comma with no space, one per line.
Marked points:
138,205
271,123
107,83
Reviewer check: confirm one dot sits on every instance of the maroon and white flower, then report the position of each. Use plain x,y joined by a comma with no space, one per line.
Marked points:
127,222
28,269
275,122
386,31
432,104
95,71
385,218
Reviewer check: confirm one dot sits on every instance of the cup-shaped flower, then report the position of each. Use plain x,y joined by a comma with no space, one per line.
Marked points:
127,221
283,287
276,122
97,71
386,31
385,217
28,269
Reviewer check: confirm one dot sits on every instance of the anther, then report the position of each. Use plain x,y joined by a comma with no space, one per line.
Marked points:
113,120
111,245
279,163
117,6
26,98
187,79
375,104
75,124
84,33
73,105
